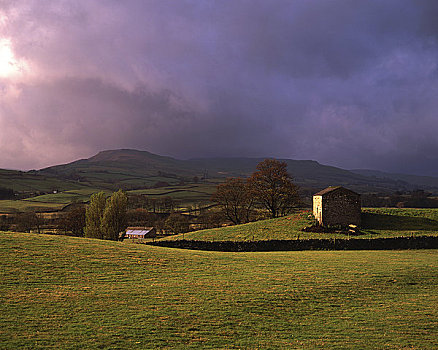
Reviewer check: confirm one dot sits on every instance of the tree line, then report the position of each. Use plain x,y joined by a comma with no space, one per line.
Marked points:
105,218
6,193
91,221
270,188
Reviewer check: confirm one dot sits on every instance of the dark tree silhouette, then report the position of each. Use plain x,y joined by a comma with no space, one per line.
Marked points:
74,221
234,200
272,186
177,223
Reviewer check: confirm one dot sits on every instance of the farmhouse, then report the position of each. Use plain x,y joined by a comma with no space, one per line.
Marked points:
140,232
337,205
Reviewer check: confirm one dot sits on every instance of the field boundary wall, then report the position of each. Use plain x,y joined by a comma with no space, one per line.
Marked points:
420,242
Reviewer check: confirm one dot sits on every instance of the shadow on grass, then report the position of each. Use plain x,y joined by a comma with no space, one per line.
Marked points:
397,223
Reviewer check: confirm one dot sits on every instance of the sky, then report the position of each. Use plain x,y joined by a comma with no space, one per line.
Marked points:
348,83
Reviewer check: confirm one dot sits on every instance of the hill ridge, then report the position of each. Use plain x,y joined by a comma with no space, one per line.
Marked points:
132,168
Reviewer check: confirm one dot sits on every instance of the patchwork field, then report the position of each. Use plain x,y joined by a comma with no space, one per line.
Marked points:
28,182
184,196
73,293
377,223
48,202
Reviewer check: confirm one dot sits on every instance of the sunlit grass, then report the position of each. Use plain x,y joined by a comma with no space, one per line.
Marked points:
73,293
377,223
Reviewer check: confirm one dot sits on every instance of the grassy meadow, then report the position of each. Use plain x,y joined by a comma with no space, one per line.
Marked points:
402,221
75,293
287,227
376,223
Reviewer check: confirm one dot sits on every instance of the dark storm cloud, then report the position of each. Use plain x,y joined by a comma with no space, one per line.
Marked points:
347,83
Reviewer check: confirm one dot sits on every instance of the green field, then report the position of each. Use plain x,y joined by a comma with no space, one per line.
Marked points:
28,182
48,202
203,189
11,206
67,197
377,223
72,293
288,227
185,196
405,221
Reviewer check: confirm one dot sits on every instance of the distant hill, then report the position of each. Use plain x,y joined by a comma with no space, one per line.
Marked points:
422,181
141,168
132,169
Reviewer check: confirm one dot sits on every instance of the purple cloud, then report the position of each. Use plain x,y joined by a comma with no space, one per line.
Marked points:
351,84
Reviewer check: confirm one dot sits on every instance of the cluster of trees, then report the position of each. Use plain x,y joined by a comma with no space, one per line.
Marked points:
270,187
73,222
22,222
4,223
106,218
27,221
235,200
6,193
103,218
156,205
169,223
177,223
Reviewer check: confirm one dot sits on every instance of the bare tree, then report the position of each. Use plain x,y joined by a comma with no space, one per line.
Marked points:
177,223
234,199
210,219
27,221
271,185
140,217
74,221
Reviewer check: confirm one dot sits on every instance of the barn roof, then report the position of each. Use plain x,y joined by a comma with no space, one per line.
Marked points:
331,189
138,231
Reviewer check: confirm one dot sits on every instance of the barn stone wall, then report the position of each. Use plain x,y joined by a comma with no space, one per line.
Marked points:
317,208
341,207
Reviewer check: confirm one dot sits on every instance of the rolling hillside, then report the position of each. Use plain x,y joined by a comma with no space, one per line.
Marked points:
133,170
31,181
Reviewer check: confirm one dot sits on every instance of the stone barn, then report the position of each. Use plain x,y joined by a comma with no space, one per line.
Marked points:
337,205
